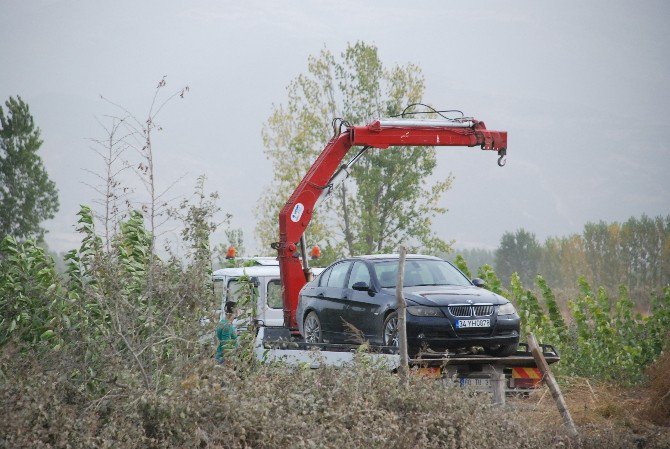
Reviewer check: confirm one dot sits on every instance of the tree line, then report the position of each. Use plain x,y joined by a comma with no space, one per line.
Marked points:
635,254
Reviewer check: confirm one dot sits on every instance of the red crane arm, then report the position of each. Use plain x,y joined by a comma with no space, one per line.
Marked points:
297,213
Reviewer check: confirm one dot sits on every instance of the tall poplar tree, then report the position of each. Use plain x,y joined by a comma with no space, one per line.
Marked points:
388,199
27,195
518,252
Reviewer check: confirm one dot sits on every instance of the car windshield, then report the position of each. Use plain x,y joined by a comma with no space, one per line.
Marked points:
419,272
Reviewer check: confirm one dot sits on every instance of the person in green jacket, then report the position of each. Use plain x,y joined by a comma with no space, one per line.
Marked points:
226,332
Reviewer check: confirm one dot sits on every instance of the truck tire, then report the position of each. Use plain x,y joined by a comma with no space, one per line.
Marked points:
312,328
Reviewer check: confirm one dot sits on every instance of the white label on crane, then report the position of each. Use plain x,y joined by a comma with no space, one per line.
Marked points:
297,212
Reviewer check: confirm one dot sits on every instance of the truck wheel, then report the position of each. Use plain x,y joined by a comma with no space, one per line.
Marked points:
312,328
391,337
503,350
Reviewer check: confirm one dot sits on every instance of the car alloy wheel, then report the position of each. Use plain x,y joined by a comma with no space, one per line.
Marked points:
391,337
312,328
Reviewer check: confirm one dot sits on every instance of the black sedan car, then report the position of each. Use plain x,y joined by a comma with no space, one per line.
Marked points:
355,298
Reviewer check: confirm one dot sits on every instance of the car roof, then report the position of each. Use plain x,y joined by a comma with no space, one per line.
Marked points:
373,257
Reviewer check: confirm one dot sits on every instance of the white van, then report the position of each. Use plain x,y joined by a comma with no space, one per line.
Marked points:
265,275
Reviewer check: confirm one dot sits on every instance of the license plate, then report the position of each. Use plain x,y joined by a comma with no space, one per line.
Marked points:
461,324
475,383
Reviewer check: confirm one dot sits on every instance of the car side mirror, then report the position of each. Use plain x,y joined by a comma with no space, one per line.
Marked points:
361,286
479,283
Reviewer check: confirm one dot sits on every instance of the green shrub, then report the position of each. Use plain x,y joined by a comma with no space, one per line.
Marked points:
601,338
34,305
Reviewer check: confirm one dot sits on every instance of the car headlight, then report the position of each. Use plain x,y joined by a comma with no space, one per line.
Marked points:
424,311
506,309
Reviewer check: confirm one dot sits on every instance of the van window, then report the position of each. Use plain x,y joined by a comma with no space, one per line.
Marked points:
274,294
218,289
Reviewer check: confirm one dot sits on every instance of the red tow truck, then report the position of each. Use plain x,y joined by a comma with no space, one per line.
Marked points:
325,174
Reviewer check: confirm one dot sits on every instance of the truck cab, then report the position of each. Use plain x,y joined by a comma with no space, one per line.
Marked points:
264,274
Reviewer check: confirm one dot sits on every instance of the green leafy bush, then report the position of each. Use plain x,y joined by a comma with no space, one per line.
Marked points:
600,337
34,305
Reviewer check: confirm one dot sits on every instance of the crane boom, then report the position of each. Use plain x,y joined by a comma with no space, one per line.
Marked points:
297,213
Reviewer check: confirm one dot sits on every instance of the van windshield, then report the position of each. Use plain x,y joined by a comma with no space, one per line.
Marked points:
239,293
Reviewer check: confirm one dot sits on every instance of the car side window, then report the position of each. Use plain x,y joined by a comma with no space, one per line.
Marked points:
338,274
323,279
359,273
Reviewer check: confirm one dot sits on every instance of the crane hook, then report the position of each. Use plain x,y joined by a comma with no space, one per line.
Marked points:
501,159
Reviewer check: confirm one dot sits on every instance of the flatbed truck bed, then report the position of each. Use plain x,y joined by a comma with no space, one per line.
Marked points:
521,358
498,375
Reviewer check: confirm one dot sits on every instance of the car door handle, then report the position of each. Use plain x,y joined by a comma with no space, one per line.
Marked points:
320,295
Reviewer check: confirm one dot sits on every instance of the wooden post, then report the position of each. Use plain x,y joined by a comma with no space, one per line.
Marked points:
402,323
551,383
496,375
498,385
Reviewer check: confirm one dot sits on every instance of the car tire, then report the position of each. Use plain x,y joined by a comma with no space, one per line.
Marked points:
503,350
389,336
312,328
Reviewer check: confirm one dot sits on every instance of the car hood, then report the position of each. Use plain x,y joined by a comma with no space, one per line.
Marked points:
444,295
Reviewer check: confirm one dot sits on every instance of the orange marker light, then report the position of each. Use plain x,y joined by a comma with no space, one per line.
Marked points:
316,252
231,253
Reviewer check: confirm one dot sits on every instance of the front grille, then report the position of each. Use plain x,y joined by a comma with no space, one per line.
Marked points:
483,310
460,310
471,310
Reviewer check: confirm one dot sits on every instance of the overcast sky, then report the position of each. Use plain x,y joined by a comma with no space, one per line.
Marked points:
582,88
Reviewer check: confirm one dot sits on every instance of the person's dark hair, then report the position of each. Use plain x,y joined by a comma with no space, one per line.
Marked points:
229,307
